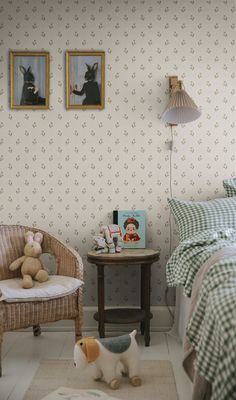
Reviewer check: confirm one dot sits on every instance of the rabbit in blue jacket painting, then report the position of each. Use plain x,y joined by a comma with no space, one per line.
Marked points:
90,88
30,91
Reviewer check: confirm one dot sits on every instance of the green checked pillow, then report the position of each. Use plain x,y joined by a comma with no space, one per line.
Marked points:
230,187
195,216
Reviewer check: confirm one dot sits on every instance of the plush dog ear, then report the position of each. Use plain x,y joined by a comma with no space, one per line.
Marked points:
38,237
29,236
90,348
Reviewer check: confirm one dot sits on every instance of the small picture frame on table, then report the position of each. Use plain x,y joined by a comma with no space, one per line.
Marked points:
133,226
85,79
29,80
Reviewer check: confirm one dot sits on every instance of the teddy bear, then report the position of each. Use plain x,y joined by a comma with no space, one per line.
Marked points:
31,266
113,236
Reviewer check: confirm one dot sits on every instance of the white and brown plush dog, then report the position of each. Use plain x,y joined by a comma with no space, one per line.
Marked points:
106,353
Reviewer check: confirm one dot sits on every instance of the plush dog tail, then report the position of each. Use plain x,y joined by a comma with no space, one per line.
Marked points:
133,334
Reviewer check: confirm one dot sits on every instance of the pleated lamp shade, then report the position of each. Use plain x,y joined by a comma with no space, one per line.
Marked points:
180,109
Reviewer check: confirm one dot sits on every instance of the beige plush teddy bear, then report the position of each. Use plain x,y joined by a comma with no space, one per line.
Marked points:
31,266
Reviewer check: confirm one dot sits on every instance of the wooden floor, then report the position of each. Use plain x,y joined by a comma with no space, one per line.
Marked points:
22,353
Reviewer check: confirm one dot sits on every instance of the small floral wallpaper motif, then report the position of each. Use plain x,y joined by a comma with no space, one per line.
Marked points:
65,171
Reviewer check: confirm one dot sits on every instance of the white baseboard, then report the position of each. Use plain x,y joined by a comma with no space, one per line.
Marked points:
161,322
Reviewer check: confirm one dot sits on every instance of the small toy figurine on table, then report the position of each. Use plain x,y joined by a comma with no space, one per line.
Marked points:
99,244
109,240
111,232
106,353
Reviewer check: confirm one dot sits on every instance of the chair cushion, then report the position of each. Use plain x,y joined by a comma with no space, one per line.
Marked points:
56,286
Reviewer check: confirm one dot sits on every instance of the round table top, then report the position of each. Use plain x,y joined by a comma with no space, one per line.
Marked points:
129,256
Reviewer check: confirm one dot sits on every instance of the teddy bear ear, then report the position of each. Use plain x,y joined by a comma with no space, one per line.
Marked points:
29,236
38,237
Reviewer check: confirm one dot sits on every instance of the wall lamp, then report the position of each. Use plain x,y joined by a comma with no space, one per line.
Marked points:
181,108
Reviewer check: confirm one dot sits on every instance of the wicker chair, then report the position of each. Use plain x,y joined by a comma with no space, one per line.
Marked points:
25,314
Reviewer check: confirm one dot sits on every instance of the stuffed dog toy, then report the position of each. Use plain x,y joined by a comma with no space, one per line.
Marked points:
106,353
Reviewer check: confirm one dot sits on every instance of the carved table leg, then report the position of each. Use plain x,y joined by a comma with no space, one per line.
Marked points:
142,298
146,287
101,329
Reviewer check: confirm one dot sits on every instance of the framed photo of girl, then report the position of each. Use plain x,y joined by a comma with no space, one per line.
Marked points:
29,80
85,79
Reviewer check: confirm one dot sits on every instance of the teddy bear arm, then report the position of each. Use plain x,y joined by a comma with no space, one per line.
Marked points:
17,263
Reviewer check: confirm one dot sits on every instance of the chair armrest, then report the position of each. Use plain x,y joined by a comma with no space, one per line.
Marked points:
69,262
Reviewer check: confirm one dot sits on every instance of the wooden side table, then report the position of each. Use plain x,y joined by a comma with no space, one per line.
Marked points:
143,258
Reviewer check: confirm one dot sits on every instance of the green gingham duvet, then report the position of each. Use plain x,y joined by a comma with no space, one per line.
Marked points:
212,328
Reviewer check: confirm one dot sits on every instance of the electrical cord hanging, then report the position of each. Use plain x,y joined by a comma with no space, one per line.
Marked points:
170,186
170,219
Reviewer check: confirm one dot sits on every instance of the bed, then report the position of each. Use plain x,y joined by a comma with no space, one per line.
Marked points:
182,310
204,264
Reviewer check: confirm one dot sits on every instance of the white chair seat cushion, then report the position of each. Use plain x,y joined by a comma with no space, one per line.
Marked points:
57,286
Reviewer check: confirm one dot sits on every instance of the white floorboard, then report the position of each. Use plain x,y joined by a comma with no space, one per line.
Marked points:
22,353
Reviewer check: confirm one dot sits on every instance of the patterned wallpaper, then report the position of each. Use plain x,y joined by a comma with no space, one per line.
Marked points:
65,171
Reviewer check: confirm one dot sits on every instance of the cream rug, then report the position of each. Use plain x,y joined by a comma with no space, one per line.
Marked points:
158,382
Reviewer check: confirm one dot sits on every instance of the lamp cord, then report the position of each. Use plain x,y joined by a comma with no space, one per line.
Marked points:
170,220
170,186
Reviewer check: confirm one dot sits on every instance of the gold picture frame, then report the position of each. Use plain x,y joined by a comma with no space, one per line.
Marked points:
29,80
85,79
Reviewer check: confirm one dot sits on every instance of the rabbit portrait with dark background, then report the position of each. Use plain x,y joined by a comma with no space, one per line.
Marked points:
30,92
90,88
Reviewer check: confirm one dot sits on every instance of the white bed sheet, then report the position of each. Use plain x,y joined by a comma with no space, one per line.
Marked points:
182,309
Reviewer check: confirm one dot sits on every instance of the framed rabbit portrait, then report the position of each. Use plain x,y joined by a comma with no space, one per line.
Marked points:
29,80
85,79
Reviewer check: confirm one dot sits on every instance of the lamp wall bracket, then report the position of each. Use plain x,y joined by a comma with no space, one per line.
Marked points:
174,83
